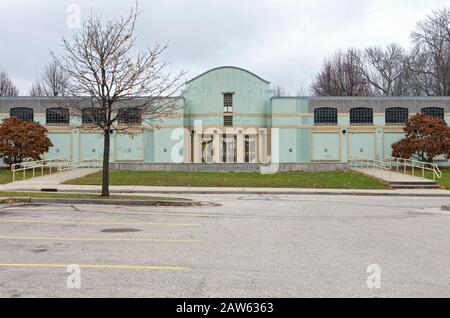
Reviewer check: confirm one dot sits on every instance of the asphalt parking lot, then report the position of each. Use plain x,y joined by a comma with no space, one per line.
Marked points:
250,246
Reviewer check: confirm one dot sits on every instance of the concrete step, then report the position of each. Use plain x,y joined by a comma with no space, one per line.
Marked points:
415,186
407,183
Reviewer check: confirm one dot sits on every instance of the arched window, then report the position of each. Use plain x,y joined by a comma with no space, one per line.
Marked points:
361,115
23,113
396,115
129,115
325,116
91,115
434,111
57,116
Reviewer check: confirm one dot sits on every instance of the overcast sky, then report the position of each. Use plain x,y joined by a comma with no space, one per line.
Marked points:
283,41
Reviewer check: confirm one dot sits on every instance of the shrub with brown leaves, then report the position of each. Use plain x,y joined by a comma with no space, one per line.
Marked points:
22,140
426,138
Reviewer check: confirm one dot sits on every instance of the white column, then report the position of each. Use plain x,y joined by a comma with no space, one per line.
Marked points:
197,148
217,144
262,146
240,147
187,150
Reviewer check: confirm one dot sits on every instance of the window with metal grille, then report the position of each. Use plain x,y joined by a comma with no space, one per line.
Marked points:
325,116
396,115
361,115
228,120
129,115
91,116
57,116
228,103
434,112
23,113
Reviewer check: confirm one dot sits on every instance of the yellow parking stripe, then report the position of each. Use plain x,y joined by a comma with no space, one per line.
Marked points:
161,213
150,240
176,268
98,223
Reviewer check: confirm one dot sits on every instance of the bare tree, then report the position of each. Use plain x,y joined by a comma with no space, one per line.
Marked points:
341,76
104,73
53,82
432,53
385,69
7,87
279,91
301,91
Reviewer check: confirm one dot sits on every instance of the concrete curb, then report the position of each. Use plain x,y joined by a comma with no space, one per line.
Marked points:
108,202
244,191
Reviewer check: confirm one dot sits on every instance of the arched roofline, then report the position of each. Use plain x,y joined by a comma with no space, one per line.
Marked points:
229,67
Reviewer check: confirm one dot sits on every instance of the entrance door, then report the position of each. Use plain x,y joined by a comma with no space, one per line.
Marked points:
250,147
229,149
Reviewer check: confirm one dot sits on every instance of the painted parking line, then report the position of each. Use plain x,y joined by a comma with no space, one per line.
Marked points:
173,268
157,213
94,239
97,222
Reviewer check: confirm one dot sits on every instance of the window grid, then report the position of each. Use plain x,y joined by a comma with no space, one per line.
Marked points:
396,115
325,116
227,103
91,116
434,112
57,115
228,120
361,115
23,113
130,115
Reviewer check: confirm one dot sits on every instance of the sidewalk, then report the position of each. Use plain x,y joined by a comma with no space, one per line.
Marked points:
54,181
47,181
139,190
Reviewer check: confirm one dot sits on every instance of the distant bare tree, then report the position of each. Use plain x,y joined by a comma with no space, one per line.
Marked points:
385,69
341,76
7,87
279,91
53,82
301,91
104,73
432,53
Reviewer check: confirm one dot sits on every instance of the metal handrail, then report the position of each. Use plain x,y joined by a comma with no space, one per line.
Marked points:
385,167
33,165
391,163
86,163
59,164
416,164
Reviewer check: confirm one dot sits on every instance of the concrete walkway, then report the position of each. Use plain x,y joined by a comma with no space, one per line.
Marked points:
48,181
146,190
390,176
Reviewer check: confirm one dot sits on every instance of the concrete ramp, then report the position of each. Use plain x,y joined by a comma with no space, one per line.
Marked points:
50,181
399,180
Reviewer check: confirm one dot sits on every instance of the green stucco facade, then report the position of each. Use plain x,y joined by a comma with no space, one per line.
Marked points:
201,132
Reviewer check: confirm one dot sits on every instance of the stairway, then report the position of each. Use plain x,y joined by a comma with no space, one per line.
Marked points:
397,180
426,184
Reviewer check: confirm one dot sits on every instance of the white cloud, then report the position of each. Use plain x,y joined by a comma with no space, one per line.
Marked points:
284,41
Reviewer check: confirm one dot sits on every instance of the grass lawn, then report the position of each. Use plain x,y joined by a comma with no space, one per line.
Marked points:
321,180
6,174
444,181
80,196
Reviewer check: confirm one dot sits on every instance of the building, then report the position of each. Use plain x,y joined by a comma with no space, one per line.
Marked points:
229,115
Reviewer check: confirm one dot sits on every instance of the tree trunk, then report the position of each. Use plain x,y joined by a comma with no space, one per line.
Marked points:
106,150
